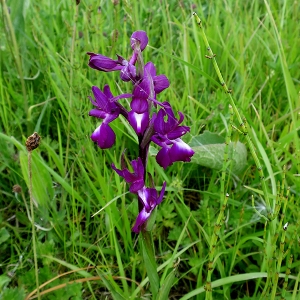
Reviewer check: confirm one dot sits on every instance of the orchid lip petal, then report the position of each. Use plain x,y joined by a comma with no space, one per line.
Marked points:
104,136
139,122
142,217
163,158
181,151
150,199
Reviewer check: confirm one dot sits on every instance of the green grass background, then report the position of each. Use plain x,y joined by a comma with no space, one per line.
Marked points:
44,87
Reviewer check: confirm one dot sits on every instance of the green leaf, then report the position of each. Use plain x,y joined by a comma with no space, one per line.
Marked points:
4,235
166,286
41,178
15,294
4,280
150,263
207,138
18,15
151,220
209,152
230,280
114,293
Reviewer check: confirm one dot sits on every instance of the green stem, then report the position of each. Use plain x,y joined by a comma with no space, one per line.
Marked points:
223,203
242,124
287,273
295,291
71,77
226,161
279,261
213,244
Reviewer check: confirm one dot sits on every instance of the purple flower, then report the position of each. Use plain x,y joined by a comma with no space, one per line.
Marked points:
179,151
104,136
163,128
148,88
135,179
103,63
150,199
139,122
167,135
106,64
139,39
108,110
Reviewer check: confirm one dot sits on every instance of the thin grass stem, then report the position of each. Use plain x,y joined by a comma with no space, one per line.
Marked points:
213,244
71,76
279,261
223,203
287,273
295,291
16,54
241,122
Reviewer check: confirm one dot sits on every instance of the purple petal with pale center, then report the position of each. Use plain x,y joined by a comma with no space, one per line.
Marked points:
150,199
181,151
104,136
142,217
139,122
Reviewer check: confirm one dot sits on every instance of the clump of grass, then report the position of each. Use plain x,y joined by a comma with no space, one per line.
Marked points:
257,50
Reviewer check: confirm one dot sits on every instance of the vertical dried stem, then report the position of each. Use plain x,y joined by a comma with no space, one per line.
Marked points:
32,143
32,225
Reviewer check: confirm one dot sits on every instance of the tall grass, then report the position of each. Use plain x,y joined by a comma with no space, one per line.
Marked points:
44,84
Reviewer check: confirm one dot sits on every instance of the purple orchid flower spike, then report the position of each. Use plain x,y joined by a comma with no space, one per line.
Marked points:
107,109
148,88
150,199
162,128
167,135
135,179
